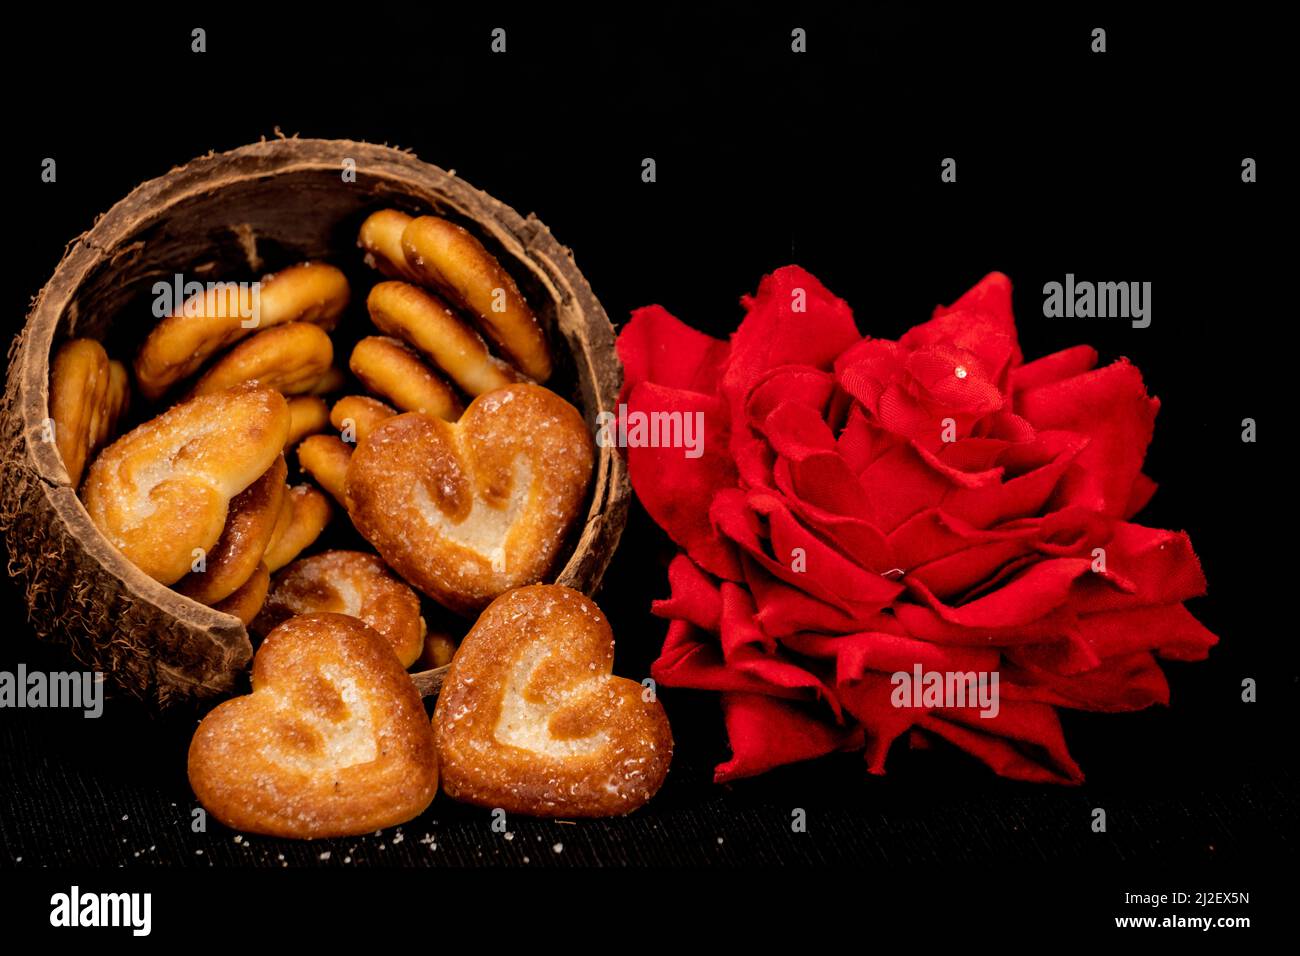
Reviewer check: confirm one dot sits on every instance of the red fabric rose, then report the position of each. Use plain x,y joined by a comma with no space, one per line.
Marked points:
864,506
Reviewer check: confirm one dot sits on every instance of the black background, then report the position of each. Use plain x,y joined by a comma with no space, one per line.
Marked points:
1121,166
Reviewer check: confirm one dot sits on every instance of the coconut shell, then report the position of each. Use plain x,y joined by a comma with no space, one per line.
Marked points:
236,215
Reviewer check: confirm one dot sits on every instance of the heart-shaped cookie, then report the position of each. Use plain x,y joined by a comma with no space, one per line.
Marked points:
164,489
531,720
466,510
349,582
333,741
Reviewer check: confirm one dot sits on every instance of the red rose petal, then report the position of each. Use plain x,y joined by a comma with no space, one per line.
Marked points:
890,653
656,347
1111,407
792,320
1023,742
694,597
870,701
766,733
1160,567
825,445
1168,629
691,659
785,609
677,490
1055,367
1123,683
1139,495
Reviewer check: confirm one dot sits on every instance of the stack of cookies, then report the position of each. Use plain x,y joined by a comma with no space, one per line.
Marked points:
462,473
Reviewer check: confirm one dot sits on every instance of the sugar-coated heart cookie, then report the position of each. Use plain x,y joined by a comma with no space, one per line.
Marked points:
466,510
250,522
163,489
333,740
531,720
349,582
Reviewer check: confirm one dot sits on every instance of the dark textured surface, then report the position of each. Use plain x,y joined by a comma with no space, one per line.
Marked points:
1197,784
1126,168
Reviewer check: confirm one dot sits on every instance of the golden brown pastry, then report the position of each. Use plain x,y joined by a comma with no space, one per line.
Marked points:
250,522
451,260
289,358
326,458
349,582
356,416
466,510
334,380
303,516
531,720
333,740
387,367
308,415
119,398
247,600
439,649
164,489
88,396
381,238
207,323
424,321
